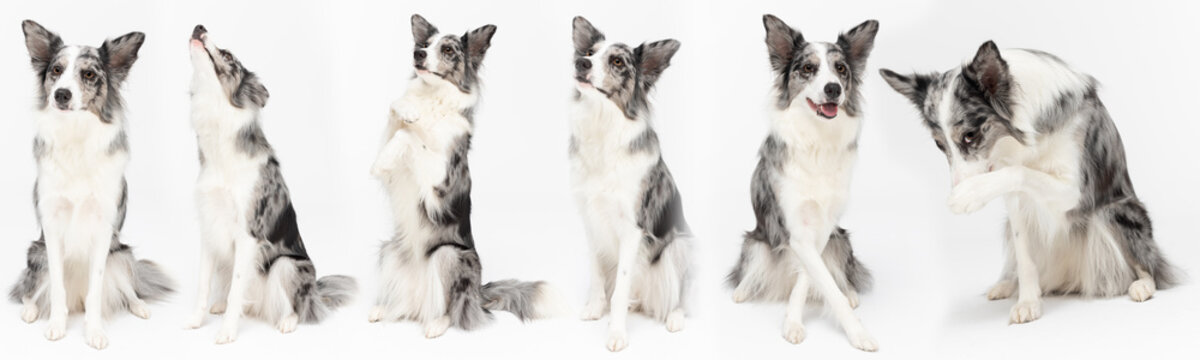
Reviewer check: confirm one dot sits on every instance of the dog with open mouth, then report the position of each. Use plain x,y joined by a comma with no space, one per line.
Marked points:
802,182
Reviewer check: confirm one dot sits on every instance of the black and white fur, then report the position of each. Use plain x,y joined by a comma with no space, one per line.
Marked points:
1024,126
430,271
250,243
802,182
81,148
631,208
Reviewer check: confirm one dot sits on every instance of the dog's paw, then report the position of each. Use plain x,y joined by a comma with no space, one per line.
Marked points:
966,198
1025,311
593,311
852,298
376,314
96,338
1141,290
288,324
1003,289
196,321
863,341
675,320
740,295
793,331
29,313
617,340
226,335
436,328
57,329
405,112
217,308
138,308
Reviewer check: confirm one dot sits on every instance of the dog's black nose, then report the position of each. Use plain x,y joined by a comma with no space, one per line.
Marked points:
582,64
62,96
419,55
833,90
199,30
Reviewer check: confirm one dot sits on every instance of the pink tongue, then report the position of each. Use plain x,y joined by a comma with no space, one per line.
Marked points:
829,110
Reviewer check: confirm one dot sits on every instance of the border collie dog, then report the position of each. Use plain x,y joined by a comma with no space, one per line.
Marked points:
251,245
430,271
630,206
79,263
1024,126
802,182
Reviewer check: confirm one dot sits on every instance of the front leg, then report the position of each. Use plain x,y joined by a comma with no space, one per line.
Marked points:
793,324
91,228
628,247
972,194
245,254
597,301
207,267
389,157
1029,292
405,109
55,216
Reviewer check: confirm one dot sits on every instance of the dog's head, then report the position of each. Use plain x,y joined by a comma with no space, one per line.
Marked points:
216,68
820,76
447,58
618,72
967,110
80,78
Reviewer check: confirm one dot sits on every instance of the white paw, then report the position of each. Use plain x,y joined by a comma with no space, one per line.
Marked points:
96,338
793,331
740,295
675,321
196,321
966,198
138,308
1141,290
852,298
380,168
376,314
437,327
1025,311
56,330
29,313
863,341
1002,290
407,113
617,340
593,311
218,308
226,335
288,324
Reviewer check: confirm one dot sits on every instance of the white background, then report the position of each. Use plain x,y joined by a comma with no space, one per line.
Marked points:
333,67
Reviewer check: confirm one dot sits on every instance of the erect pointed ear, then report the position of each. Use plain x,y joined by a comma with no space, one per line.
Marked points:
250,91
585,35
119,54
857,44
422,30
782,42
478,41
42,44
653,58
915,86
989,72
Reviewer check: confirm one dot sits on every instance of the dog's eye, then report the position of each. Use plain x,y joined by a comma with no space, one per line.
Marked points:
56,69
970,137
841,69
447,50
227,56
589,53
618,62
88,74
808,68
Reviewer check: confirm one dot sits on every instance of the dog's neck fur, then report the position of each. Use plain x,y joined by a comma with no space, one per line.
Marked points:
72,140
803,130
598,122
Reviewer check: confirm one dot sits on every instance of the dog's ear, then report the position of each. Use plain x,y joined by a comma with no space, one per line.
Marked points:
478,41
119,54
989,73
250,91
915,86
422,30
585,35
42,44
857,44
653,58
782,42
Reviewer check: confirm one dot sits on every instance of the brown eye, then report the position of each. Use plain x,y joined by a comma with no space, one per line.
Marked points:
808,68
589,53
88,74
227,57
57,69
447,50
841,69
970,137
618,62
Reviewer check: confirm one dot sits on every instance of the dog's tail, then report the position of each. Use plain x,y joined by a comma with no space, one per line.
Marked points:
150,283
526,300
332,292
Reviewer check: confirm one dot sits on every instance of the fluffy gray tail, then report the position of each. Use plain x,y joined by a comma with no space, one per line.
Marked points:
150,282
526,300
332,292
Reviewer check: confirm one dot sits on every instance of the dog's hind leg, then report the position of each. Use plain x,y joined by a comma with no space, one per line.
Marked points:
283,280
124,285
1130,225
